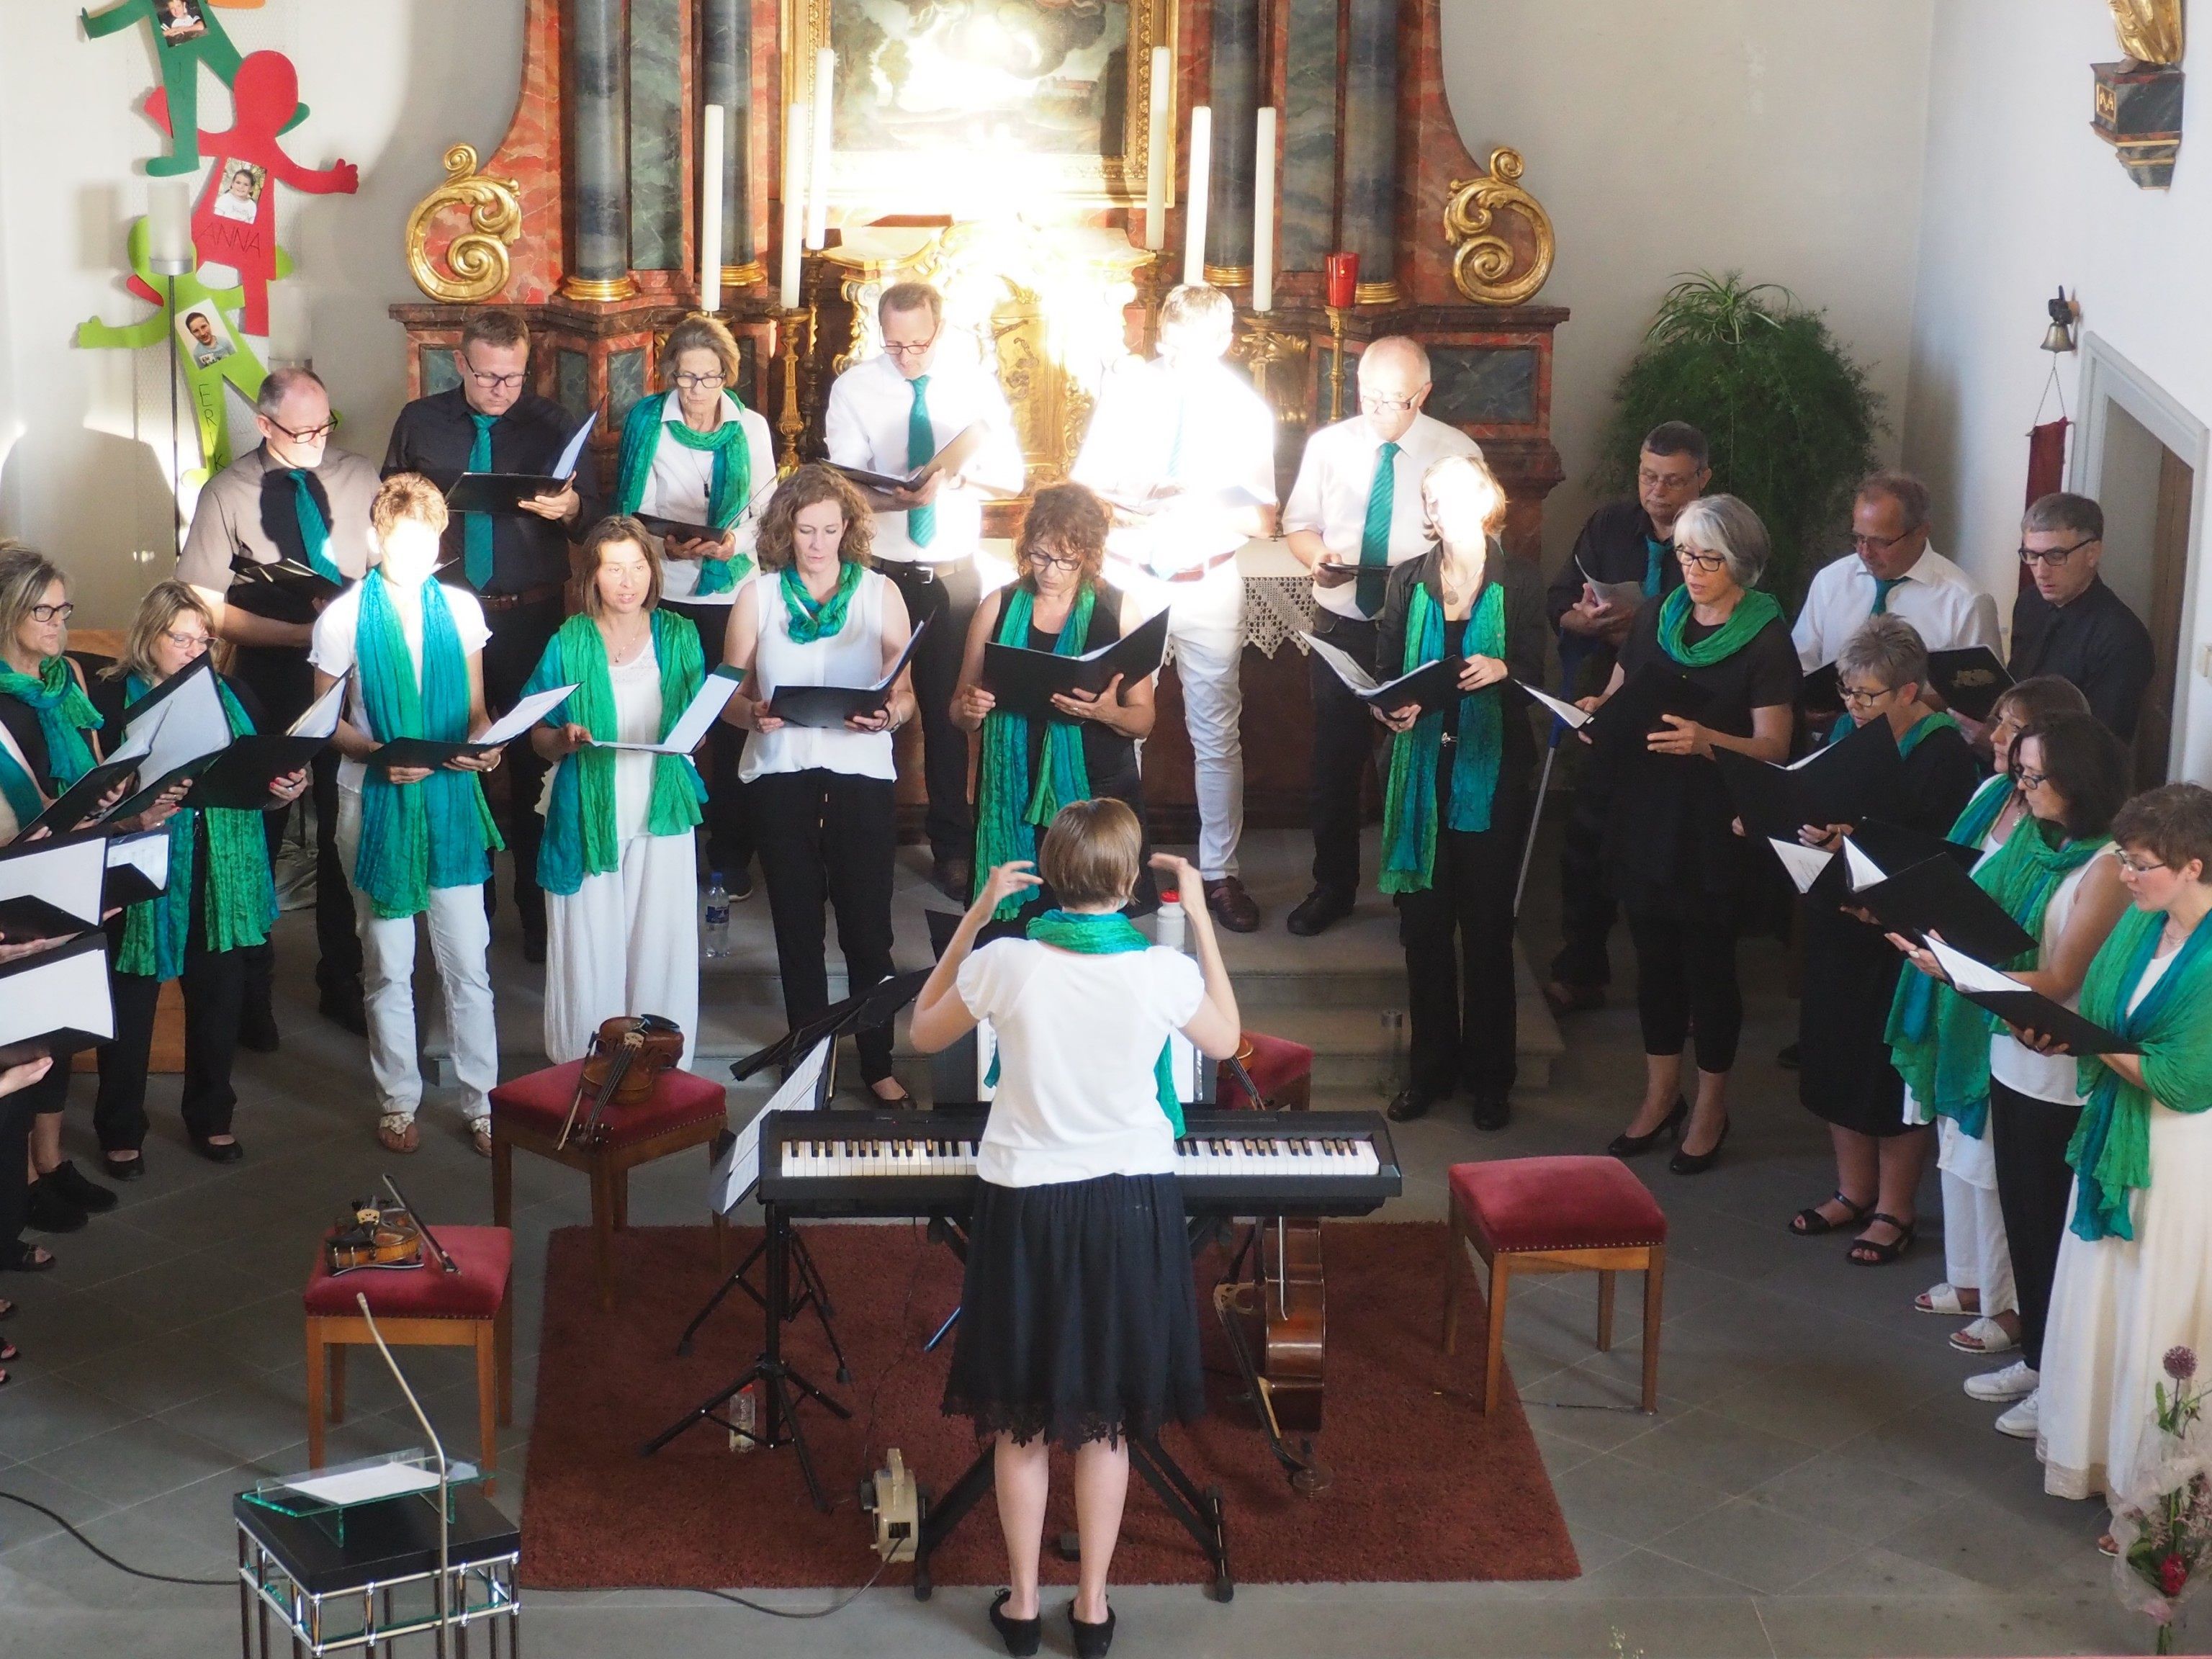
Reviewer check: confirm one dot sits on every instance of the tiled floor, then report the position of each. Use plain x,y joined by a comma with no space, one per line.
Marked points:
1814,1482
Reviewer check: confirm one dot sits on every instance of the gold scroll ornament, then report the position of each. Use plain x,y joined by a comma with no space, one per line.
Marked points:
475,260
1498,263
2150,31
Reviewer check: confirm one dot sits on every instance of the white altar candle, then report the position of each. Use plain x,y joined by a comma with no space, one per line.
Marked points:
1263,216
1159,152
169,227
710,211
290,332
794,219
1201,176
817,201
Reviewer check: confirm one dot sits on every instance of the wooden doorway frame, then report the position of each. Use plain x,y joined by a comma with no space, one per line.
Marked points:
2108,379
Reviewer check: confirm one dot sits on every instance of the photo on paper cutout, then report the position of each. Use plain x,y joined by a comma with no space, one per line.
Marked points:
203,336
240,195
180,21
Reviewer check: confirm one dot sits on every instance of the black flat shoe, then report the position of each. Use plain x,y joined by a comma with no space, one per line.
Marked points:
1091,1641
124,1169
1493,1114
86,1194
1697,1163
1410,1104
1021,1636
48,1212
22,1258
1321,909
1628,1145
218,1151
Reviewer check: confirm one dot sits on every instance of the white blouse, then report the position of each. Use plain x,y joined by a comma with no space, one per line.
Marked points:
2012,1062
637,719
854,656
678,487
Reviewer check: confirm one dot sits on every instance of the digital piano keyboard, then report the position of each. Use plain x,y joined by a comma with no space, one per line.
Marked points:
867,1162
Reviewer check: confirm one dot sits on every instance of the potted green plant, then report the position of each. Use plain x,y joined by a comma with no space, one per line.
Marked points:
1789,416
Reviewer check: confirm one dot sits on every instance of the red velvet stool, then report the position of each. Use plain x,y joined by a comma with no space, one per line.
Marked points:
1552,1215
1281,1070
421,1308
527,1114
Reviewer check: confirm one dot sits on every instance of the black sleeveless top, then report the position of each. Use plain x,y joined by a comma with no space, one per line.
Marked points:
1107,754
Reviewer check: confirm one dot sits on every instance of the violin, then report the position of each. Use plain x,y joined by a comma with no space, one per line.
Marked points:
628,1054
375,1233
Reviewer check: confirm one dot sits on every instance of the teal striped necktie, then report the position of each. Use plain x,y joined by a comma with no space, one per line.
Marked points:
1882,586
476,527
921,447
1374,534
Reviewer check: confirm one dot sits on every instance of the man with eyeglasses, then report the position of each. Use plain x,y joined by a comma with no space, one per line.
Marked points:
892,414
298,504
1355,512
2068,622
1895,573
517,563
1621,543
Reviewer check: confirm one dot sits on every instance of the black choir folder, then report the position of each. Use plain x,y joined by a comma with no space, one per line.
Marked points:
1969,681
956,454
1626,718
137,866
1935,895
1432,686
2023,1009
56,1002
242,775
279,572
50,888
134,755
436,751
827,707
1822,875
193,733
1024,681
505,492
1853,778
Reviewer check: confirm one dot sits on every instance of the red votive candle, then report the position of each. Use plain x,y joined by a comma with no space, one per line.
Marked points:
1343,279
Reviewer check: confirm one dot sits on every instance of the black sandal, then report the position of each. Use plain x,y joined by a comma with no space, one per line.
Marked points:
22,1258
1866,1253
1809,1222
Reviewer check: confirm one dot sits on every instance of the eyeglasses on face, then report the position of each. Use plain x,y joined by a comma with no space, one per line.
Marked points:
689,382
1368,400
1711,563
1043,557
498,382
909,348
1858,696
1646,478
2028,779
52,613
1876,543
187,640
307,434
2131,865
2055,556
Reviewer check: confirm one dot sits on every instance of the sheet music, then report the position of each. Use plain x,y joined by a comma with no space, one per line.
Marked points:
364,1485
1864,871
566,466
739,1170
1622,596
321,720
1574,718
189,727
520,717
148,852
1968,975
1343,662
65,990
692,726
1803,863
69,877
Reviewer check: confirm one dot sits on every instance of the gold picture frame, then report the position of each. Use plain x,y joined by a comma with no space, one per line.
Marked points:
968,179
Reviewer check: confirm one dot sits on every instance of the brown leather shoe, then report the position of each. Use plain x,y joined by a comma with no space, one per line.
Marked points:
1233,906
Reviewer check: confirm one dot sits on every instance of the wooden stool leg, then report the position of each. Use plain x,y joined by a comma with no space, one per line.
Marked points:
488,1396
502,1179
1493,1339
338,1354
1655,1274
315,1401
602,1232
618,1184
1605,1311
503,1354
1454,1269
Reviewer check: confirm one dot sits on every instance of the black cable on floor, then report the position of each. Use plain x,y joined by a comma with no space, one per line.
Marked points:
837,1605
63,1523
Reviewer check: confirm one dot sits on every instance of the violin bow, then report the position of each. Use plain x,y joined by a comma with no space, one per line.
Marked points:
445,1263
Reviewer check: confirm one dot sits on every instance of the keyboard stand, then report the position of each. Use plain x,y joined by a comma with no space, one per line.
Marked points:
781,1386
1199,1512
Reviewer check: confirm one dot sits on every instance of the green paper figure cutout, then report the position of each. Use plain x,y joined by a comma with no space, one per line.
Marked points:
208,355
180,48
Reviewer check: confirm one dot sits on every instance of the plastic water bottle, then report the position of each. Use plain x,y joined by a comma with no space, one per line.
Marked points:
1392,1075
1168,922
715,935
744,1416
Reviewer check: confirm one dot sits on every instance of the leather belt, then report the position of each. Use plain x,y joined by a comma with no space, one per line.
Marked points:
1200,571
538,595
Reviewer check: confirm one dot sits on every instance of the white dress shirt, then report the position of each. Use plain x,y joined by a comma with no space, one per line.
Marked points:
334,649
1337,473
1203,428
866,425
1942,602
681,482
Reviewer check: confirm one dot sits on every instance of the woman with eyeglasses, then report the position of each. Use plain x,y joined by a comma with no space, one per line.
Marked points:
1845,1077
699,459
220,902
821,797
1683,878
1030,768
2134,1279
2056,875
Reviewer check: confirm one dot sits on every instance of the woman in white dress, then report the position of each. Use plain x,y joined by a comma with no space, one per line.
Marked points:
820,798
2135,1270
620,874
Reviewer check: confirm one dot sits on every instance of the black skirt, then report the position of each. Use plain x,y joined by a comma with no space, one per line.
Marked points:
1078,1321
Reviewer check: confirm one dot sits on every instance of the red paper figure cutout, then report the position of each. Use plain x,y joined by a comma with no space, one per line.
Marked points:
235,223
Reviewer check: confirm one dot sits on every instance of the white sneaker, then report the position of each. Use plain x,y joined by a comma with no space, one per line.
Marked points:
2023,1419
2015,1382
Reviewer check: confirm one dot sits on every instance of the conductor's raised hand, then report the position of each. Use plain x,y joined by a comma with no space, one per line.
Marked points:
1680,737
1482,671
1015,875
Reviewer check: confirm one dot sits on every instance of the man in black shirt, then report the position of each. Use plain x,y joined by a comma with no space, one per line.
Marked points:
517,563
2070,623
1623,542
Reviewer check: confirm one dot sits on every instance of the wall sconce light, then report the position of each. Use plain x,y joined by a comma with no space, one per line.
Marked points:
2060,336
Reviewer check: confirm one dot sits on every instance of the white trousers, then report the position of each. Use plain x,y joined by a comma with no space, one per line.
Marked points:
626,942
1205,632
460,935
1976,1257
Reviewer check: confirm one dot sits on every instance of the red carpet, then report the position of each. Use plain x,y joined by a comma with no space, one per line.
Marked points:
1425,1488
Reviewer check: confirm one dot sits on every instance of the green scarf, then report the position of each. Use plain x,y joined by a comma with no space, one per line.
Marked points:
2111,1149
24,800
314,532
416,836
581,838
1938,1041
1982,812
810,619
728,492
1754,610
241,894
64,713
1106,935
1409,802
1007,809
1924,728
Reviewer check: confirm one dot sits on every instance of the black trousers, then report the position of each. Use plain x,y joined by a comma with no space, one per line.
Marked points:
1345,731
945,594
214,983
17,1112
285,685
729,828
1462,1003
829,836
2027,1139
1587,909
1685,971
518,639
